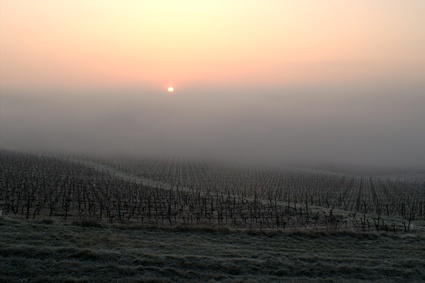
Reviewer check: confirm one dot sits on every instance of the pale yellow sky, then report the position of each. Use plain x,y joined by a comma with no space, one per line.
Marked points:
101,43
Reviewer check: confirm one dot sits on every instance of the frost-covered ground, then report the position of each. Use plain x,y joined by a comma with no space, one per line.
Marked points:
47,251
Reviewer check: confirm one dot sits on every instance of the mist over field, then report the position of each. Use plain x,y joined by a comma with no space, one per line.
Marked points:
199,141
366,126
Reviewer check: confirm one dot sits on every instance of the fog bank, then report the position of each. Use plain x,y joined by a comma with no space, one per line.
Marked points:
329,125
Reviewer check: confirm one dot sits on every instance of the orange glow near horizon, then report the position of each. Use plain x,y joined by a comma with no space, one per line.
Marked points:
132,43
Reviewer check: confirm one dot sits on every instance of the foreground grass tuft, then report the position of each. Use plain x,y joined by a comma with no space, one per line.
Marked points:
88,223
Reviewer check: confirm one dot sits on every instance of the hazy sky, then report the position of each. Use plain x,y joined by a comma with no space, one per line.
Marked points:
309,81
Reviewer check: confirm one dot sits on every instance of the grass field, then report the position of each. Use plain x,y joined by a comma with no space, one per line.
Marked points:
46,251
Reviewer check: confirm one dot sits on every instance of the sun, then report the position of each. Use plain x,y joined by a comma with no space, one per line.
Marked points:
170,89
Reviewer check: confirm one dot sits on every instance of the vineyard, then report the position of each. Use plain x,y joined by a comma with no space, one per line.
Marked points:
176,193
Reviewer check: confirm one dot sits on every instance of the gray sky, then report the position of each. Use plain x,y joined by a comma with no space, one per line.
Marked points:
366,125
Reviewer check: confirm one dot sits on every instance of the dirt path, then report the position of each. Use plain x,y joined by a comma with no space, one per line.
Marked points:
125,175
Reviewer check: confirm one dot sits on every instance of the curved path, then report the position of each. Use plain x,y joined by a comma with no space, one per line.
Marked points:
125,175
